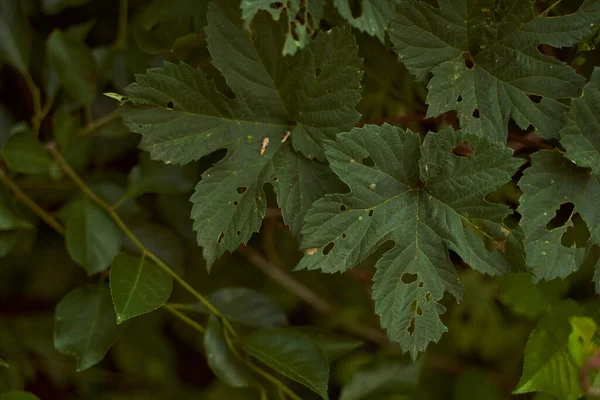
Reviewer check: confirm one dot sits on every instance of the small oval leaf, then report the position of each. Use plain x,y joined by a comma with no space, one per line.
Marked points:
292,354
221,359
86,324
138,286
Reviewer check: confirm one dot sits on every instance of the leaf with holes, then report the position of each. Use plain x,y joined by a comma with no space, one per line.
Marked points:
427,201
482,61
554,191
278,108
302,17
373,17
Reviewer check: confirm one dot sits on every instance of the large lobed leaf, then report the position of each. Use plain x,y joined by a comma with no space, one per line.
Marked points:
424,199
554,180
182,117
482,60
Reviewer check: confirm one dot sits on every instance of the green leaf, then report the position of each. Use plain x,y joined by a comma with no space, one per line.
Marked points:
221,360
523,297
246,306
15,35
483,61
550,182
10,217
137,286
581,136
383,378
426,200
92,237
303,19
334,345
374,18
291,354
4,364
86,324
52,7
158,26
182,117
23,153
74,64
554,352
20,395
155,177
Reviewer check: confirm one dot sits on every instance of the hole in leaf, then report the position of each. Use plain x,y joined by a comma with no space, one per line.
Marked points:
459,99
428,296
421,284
468,60
476,113
276,179
317,72
577,235
238,233
276,5
411,326
235,203
371,213
408,278
343,208
292,30
170,105
356,8
368,162
299,18
418,311
328,248
242,189
535,98
462,150
344,236
562,215
220,238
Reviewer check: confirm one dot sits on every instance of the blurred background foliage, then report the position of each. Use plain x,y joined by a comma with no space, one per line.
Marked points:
75,50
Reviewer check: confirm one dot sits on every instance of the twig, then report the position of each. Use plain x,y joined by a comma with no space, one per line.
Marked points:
184,318
309,296
529,141
98,123
51,147
19,194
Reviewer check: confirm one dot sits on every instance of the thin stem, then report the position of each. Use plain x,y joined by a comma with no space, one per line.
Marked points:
280,386
309,296
19,194
98,123
51,147
36,120
121,43
184,318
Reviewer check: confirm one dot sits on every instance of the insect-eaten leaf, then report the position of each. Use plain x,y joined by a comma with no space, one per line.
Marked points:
182,117
427,201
